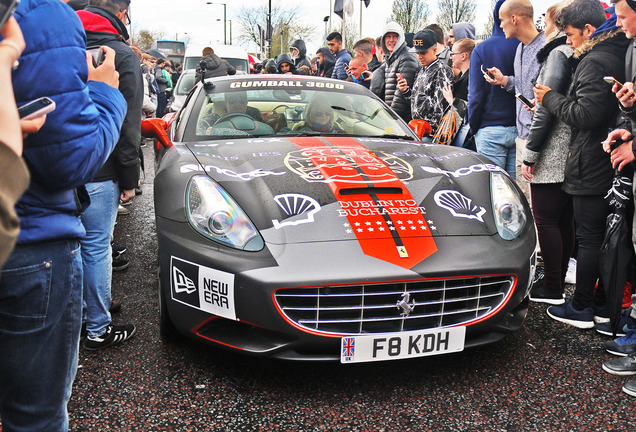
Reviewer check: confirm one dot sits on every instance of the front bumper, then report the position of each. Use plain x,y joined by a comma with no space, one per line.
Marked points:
250,319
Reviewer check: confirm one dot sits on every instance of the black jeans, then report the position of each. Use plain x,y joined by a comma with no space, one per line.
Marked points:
590,214
554,216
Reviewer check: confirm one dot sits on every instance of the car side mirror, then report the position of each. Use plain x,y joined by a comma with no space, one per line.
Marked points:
421,127
156,128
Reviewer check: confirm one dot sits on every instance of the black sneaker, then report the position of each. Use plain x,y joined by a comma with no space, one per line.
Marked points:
630,388
540,295
118,251
115,306
113,336
621,366
120,264
625,324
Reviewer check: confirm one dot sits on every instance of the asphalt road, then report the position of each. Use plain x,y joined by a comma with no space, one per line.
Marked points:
547,377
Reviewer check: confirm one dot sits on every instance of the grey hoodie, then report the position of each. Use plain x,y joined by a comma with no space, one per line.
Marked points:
463,30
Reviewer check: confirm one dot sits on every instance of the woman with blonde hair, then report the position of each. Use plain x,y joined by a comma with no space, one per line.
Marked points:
544,167
319,116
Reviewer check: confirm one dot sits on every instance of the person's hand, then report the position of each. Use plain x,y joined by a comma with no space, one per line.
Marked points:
527,171
539,91
366,75
347,69
32,126
622,155
616,134
13,43
447,91
625,94
105,72
531,109
401,82
127,195
499,77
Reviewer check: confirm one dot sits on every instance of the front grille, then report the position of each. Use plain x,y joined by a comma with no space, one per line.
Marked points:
372,308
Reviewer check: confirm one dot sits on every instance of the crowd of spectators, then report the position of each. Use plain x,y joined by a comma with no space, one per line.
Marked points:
564,138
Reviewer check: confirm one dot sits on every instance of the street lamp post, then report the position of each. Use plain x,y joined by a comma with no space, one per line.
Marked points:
224,20
230,21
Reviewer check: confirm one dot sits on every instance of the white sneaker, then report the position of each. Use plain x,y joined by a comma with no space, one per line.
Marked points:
570,276
122,210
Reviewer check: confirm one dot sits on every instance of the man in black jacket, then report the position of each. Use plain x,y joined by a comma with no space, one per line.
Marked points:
105,24
590,109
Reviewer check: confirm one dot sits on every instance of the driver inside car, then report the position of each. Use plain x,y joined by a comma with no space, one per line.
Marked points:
236,102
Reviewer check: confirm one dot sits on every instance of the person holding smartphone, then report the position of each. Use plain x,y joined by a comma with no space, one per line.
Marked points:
544,167
39,340
589,108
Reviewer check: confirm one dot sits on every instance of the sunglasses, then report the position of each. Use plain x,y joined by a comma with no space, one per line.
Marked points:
321,113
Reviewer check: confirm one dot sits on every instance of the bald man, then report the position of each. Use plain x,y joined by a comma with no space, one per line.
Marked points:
359,71
517,21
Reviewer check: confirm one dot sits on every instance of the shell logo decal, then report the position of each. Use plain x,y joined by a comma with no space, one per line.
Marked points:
459,205
296,205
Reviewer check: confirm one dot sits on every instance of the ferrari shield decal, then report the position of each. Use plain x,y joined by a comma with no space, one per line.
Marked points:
380,211
202,288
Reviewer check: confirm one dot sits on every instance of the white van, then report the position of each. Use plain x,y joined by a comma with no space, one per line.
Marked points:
235,55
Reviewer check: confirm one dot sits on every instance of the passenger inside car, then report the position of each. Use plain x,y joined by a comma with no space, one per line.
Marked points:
319,116
236,102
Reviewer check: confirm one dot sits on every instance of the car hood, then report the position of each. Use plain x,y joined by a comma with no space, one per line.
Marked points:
306,189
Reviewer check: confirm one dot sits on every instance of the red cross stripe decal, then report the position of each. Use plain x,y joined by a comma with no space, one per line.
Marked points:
379,210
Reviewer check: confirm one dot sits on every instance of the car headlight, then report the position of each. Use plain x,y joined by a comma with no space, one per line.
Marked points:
213,213
507,206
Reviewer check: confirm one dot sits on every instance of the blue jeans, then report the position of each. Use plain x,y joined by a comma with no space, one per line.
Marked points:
99,222
498,144
40,321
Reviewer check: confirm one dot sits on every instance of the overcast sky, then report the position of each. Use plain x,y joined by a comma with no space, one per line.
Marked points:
199,19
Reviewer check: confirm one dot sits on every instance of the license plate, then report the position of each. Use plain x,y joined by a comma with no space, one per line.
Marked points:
394,346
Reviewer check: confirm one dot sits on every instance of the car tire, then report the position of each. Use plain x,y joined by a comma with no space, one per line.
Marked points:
167,330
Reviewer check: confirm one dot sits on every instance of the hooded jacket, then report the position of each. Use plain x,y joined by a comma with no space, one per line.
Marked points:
285,58
490,105
463,30
78,135
326,67
215,66
400,61
104,28
302,59
590,108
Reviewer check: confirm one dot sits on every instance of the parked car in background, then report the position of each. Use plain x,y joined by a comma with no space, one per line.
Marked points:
181,90
235,55
300,218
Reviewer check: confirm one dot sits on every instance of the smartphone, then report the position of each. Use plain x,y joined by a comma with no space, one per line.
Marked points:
611,81
36,108
98,55
7,7
487,72
524,100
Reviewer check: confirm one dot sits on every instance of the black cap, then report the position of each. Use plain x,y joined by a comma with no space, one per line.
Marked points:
423,40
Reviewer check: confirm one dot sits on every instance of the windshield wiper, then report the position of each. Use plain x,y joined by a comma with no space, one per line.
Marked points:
393,136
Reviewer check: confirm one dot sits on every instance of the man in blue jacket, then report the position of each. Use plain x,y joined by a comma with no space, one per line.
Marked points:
334,42
491,109
41,283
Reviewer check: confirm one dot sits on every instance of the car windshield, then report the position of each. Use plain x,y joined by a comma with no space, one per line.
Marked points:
185,84
291,108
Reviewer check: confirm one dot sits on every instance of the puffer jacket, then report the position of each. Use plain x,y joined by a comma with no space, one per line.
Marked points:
215,66
78,135
104,28
590,108
401,61
339,72
549,138
302,59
